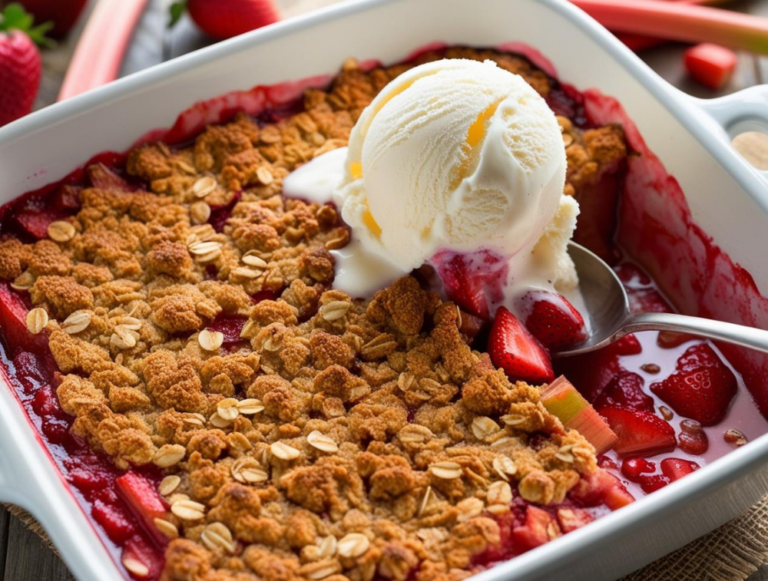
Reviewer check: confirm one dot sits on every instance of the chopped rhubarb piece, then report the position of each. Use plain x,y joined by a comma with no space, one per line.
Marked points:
710,65
701,388
141,559
552,319
564,401
515,350
625,391
571,519
640,433
145,502
116,523
35,222
675,468
13,320
104,178
539,528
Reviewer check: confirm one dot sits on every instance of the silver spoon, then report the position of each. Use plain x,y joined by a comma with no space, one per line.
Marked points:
610,319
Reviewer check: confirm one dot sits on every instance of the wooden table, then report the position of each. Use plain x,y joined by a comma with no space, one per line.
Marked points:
23,555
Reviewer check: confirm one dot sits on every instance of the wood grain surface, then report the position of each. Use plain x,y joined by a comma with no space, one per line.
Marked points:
23,555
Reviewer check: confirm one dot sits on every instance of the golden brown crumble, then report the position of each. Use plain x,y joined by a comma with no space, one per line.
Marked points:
340,439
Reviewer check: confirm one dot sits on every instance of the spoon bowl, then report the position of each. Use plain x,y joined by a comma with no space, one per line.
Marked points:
610,318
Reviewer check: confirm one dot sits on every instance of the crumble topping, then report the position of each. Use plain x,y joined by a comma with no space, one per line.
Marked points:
305,435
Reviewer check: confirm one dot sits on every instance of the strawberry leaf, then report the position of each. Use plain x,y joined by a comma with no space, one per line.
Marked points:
177,11
14,17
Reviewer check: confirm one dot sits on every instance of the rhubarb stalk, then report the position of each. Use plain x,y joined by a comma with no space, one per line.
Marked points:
638,42
102,45
682,22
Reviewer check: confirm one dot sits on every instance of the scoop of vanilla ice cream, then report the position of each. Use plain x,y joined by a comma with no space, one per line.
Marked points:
453,154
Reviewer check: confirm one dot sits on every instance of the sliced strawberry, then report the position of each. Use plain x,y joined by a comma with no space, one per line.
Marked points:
230,326
144,560
13,319
571,519
539,528
592,372
634,468
515,350
564,401
104,178
553,320
640,433
472,281
653,482
625,391
675,468
462,288
145,502
702,387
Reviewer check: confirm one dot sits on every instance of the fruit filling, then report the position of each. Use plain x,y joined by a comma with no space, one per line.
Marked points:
174,327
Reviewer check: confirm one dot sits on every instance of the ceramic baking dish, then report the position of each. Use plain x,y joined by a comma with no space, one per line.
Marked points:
726,196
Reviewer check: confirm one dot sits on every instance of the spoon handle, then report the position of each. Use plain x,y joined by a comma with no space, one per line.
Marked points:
728,332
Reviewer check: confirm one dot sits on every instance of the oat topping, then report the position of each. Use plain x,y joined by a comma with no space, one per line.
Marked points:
304,434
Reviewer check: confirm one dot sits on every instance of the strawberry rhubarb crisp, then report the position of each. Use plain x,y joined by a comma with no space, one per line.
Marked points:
173,325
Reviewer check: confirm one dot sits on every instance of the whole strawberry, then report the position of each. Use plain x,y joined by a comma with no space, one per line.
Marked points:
227,18
63,13
20,62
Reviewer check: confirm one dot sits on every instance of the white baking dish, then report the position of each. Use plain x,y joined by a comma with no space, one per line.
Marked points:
727,198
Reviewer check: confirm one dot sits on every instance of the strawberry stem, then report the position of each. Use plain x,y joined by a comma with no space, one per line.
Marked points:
177,11
14,17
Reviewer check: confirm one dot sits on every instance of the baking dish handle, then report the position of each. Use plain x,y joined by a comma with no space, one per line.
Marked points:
731,115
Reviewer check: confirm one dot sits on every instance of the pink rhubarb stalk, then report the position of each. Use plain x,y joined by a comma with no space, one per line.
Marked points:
102,46
638,42
682,22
